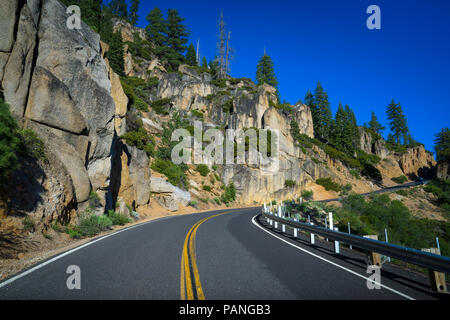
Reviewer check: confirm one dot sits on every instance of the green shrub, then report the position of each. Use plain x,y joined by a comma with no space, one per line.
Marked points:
118,219
8,141
345,189
214,167
400,180
355,173
371,172
91,225
307,195
28,224
229,194
372,216
217,200
367,158
403,193
220,83
289,184
193,203
174,173
329,184
31,145
94,200
57,227
207,188
202,169
152,82
161,106
197,114
228,106
140,139
205,200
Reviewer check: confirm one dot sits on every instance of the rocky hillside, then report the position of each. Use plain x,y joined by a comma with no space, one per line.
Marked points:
58,83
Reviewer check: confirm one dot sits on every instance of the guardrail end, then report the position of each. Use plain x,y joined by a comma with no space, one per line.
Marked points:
375,258
437,279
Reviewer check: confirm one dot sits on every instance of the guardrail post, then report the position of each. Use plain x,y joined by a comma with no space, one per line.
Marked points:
337,247
375,258
295,230
349,232
331,220
313,236
277,211
437,279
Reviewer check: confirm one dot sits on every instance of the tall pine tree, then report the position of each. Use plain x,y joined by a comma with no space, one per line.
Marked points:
156,28
119,8
265,73
374,125
191,56
324,117
115,53
397,124
134,12
177,33
442,146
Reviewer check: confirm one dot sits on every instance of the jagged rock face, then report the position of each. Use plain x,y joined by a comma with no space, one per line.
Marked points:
18,69
128,30
417,162
187,91
381,149
58,84
365,140
303,116
131,176
8,9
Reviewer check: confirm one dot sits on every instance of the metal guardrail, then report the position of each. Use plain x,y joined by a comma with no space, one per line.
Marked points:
413,256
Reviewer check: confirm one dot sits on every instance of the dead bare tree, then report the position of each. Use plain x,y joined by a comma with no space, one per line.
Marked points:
225,51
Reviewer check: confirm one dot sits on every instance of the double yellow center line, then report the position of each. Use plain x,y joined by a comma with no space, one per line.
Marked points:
189,289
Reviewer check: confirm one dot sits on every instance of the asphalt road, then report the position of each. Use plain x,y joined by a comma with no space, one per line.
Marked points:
384,190
216,255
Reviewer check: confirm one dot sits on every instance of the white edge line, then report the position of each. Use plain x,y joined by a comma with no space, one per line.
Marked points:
39,266
330,262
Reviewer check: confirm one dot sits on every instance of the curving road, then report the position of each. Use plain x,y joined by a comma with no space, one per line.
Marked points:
216,255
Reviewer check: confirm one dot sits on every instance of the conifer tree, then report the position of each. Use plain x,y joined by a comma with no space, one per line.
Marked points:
177,33
324,117
442,145
119,8
191,58
397,123
265,72
133,12
374,125
205,63
156,28
115,53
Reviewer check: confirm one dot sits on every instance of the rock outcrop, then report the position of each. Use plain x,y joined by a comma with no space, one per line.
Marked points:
443,170
58,84
417,162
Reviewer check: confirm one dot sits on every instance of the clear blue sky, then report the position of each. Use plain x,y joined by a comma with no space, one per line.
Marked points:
327,41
